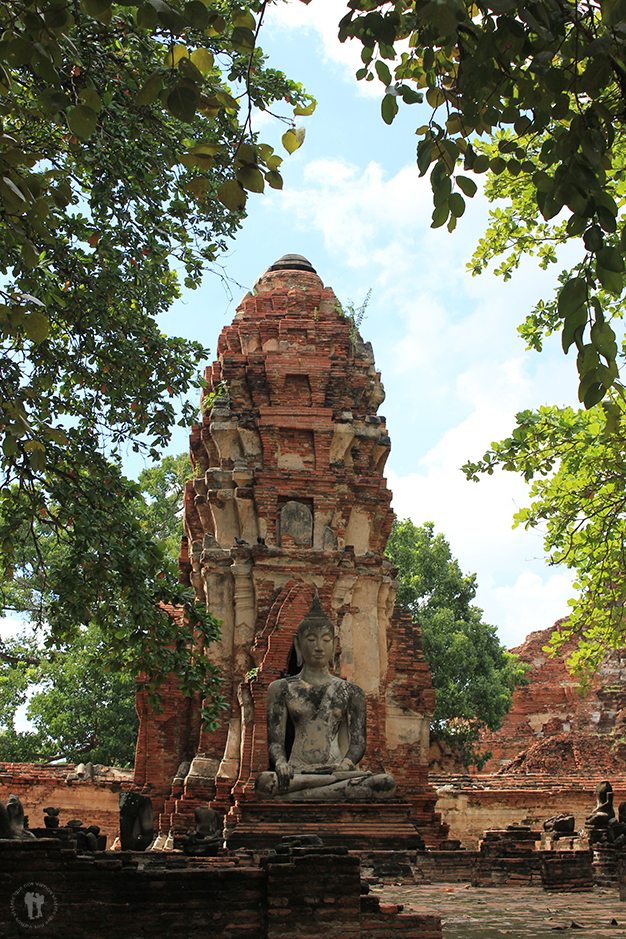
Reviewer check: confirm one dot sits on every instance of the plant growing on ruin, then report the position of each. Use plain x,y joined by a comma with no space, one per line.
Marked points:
355,315
473,674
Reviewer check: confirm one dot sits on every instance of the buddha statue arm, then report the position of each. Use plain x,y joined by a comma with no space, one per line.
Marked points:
276,727
357,726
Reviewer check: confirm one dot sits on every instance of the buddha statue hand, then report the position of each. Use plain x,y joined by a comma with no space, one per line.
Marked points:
284,775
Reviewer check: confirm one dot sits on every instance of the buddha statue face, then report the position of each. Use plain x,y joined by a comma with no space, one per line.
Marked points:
315,646
315,642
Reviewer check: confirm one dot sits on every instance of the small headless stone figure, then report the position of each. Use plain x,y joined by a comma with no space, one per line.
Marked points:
329,718
604,810
12,820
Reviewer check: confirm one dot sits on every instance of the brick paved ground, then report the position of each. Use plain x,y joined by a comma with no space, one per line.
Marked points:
529,912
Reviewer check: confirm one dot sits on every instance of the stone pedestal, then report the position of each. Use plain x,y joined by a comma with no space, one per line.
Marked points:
357,826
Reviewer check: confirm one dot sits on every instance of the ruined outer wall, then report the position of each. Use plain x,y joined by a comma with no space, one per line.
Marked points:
566,729
93,802
472,805
309,894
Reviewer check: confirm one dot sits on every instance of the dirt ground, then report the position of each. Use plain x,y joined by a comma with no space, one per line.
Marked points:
477,913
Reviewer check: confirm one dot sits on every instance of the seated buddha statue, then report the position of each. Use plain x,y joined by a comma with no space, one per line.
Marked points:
329,720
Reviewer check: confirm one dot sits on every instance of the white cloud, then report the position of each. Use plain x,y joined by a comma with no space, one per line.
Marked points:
532,602
322,17
359,212
515,589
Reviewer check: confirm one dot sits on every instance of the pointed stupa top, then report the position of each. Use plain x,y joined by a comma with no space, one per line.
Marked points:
316,618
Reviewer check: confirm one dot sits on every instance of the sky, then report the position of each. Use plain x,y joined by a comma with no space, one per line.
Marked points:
453,365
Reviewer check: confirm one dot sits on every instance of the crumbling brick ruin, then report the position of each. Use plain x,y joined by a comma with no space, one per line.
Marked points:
289,498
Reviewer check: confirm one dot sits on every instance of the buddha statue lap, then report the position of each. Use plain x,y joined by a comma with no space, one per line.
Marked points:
329,719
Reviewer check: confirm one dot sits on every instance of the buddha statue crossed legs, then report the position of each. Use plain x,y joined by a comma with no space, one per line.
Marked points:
329,719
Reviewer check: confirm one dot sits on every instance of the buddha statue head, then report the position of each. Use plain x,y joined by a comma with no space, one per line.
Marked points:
315,642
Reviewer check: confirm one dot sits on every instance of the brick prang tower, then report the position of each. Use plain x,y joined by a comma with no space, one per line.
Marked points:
288,498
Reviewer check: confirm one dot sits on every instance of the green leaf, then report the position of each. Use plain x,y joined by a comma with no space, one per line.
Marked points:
232,195
182,102
18,52
30,255
59,436
606,218
440,215
251,178
196,14
573,328
389,108
147,17
457,204
227,100
169,17
576,225
274,179
37,459
594,394
382,70
95,8
91,98
442,16
603,339
424,155
150,91
37,326
197,185
203,60
242,40
52,101
82,120
611,259
173,56
610,280
244,18
593,239
188,70
571,296
468,186
613,12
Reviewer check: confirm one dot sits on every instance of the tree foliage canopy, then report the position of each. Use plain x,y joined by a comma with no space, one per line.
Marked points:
578,497
79,711
81,707
473,675
543,82
126,153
